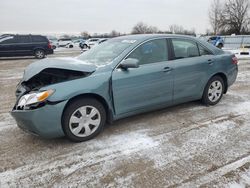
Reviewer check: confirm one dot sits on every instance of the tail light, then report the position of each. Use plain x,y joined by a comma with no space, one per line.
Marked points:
49,46
234,60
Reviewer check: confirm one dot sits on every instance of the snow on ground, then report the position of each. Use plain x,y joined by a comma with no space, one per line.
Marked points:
189,145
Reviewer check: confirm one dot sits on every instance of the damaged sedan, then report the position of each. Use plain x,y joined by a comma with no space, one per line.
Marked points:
128,75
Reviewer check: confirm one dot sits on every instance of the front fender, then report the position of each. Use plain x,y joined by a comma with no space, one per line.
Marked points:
96,84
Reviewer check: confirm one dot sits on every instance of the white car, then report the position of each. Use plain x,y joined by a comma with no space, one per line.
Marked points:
66,42
90,43
240,53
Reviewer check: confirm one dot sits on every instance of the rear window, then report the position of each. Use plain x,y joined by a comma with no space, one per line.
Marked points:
184,48
39,39
204,51
94,40
23,39
64,39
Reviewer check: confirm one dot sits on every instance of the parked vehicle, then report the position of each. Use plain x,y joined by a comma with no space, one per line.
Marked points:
25,45
216,41
121,77
66,42
53,41
89,43
102,40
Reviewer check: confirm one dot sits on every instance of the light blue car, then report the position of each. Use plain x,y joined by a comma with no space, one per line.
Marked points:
124,76
216,41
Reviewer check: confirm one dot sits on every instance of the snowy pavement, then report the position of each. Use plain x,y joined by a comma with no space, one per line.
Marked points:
188,145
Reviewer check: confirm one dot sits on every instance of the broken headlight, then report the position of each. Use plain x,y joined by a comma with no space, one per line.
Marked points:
34,98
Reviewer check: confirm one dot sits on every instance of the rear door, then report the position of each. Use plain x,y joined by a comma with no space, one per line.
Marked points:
7,46
192,63
24,45
39,41
149,85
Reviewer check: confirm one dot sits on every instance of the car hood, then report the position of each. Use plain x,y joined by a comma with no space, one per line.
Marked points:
57,63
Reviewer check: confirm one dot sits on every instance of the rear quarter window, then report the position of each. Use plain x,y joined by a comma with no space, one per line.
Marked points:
39,39
204,51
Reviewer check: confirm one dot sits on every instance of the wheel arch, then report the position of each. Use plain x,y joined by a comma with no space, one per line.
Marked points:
96,97
38,48
224,77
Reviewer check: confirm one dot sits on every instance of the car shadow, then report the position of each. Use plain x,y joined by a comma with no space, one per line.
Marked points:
119,125
154,113
16,58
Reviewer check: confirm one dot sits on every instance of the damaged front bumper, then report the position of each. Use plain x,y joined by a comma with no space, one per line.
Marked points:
44,121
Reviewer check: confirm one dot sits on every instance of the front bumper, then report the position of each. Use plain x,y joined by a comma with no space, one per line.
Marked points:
44,121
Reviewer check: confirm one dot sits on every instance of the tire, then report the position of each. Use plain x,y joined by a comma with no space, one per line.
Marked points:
213,91
220,46
39,54
77,119
85,46
71,46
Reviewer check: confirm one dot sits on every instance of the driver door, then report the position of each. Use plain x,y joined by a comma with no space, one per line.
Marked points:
149,85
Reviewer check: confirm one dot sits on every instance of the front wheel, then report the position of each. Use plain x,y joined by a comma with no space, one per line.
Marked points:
213,91
83,119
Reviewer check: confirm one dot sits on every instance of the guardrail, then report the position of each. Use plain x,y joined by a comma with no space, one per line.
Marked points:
235,42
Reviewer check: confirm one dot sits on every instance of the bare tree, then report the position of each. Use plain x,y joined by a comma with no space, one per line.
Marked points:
142,28
215,14
235,18
114,33
85,34
177,29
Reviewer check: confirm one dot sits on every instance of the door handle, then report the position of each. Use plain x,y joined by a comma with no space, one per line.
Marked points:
167,69
210,61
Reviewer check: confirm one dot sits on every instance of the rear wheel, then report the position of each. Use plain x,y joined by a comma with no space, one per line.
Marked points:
83,119
213,91
39,54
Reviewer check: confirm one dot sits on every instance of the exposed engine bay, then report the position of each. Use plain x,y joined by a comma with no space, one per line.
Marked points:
52,76
47,77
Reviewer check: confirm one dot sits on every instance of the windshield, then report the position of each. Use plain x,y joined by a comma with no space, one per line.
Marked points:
105,52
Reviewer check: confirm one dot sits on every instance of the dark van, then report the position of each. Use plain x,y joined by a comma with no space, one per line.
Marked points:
25,45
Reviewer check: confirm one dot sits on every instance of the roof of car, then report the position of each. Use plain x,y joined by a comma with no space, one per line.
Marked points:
149,36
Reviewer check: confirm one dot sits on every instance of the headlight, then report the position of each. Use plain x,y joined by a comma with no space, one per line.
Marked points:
34,98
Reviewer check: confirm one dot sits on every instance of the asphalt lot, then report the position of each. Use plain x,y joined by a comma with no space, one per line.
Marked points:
189,145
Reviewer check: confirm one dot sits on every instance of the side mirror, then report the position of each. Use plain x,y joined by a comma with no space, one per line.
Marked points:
129,63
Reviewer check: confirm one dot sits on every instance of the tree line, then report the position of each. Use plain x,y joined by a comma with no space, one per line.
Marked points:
226,17
142,28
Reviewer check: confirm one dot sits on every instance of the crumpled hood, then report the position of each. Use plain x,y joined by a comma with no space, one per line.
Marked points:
60,63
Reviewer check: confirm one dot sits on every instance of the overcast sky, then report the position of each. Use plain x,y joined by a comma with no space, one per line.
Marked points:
100,16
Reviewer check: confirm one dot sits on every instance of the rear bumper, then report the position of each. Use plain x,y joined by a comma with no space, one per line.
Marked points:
44,121
232,75
50,51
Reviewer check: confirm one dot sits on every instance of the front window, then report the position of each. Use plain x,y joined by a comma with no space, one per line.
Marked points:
7,40
105,52
151,52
